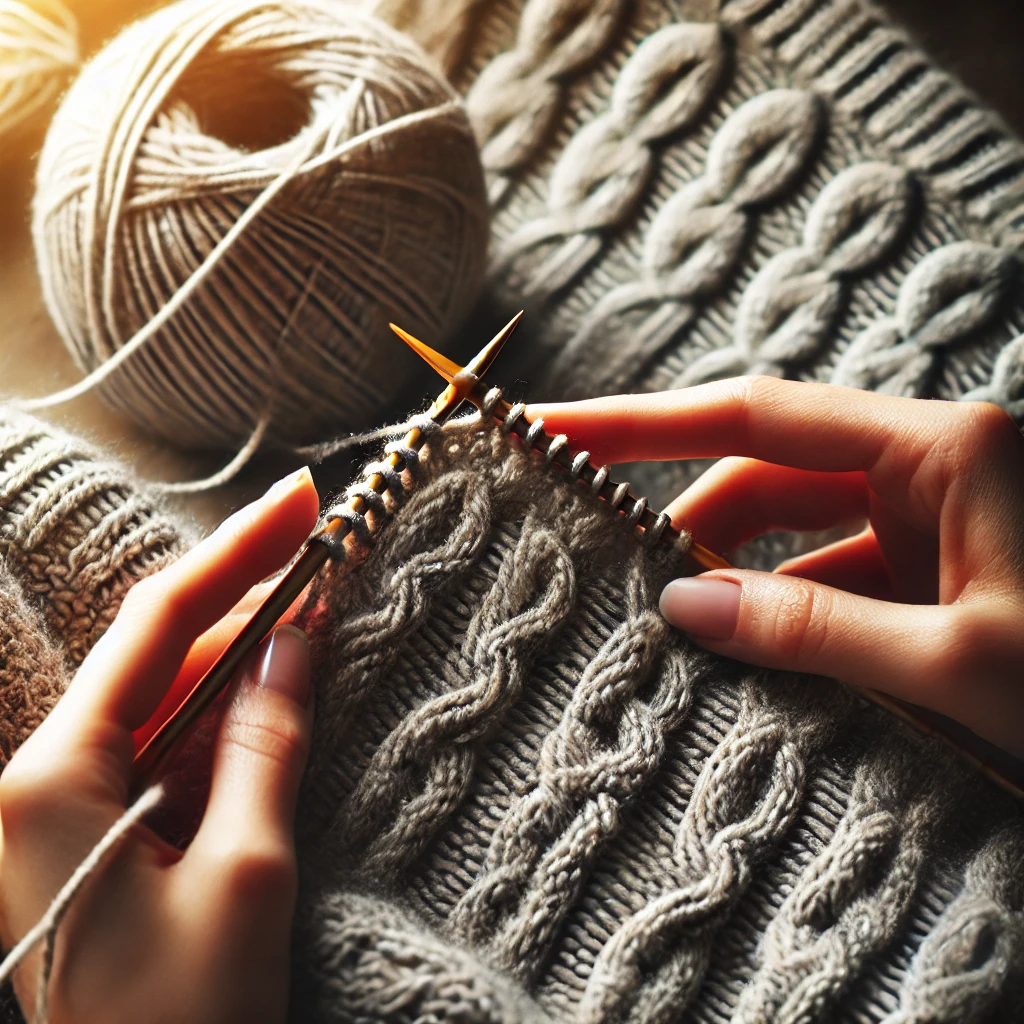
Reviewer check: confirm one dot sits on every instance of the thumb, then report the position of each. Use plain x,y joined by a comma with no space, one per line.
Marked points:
259,759
785,622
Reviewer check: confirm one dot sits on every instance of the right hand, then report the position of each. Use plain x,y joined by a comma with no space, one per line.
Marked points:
926,604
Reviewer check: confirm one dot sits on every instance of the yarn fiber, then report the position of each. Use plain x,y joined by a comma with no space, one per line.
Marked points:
257,188
38,47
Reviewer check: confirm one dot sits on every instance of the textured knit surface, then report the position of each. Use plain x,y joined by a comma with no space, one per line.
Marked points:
76,531
685,190
530,799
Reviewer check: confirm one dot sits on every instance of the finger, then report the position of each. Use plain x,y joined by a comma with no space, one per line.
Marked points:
807,426
955,659
201,655
245,841
739,499
854,564
127,673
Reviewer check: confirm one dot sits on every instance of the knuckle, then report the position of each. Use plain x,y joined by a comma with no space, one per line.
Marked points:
154,599
989,428
145,596
800,625
268,872
951,658
281,738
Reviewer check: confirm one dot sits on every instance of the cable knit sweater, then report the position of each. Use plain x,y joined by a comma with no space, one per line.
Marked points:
529,799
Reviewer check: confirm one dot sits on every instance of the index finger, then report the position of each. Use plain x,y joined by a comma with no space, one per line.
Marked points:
821,427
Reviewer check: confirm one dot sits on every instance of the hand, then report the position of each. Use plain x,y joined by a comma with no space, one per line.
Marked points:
159,934
925,604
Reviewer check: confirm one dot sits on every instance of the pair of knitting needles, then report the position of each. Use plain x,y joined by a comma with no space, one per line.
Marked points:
465,383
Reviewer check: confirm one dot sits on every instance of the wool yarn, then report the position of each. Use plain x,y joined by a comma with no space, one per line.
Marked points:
232,202
38,46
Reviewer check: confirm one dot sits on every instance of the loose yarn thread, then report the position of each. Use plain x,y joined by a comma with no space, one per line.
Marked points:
45,930
220,293
38,47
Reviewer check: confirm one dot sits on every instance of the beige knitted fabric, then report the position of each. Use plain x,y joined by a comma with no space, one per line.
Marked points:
530,799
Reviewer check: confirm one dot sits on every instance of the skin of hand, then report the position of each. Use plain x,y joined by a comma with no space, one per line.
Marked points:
159,934
925,604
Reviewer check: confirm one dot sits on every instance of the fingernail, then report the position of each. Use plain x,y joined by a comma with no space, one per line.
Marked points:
704,607
289,482
285,664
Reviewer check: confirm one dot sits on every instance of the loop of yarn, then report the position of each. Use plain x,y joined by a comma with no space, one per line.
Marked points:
232,202
38,46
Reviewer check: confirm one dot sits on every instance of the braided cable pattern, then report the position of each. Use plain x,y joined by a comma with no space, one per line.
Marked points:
607,746
790,308
742,803
846,906
961,968
514,101
950,294
446,528
543,821
875,75
1006,385
604,170
696,239
421,771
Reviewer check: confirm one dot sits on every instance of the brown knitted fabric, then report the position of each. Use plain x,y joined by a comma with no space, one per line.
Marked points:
530,799
32,670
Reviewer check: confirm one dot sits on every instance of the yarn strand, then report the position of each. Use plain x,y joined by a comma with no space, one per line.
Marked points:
45,930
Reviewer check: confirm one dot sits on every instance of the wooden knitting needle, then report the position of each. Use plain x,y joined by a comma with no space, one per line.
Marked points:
313,556
636,508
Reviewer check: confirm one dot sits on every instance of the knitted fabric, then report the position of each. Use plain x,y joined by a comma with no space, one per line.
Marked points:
684,190
530,799
76,531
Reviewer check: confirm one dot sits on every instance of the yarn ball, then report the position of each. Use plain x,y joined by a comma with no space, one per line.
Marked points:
38,46
258,187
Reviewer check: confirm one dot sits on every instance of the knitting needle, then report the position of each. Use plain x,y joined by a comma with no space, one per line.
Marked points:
646,519
635,509
303,569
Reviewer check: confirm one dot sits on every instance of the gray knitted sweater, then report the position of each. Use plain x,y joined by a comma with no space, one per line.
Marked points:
690,189
530,799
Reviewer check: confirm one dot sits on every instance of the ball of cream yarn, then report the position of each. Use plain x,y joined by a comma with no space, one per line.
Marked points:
38,46
258,187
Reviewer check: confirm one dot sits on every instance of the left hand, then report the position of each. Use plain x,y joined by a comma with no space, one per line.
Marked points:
200,936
